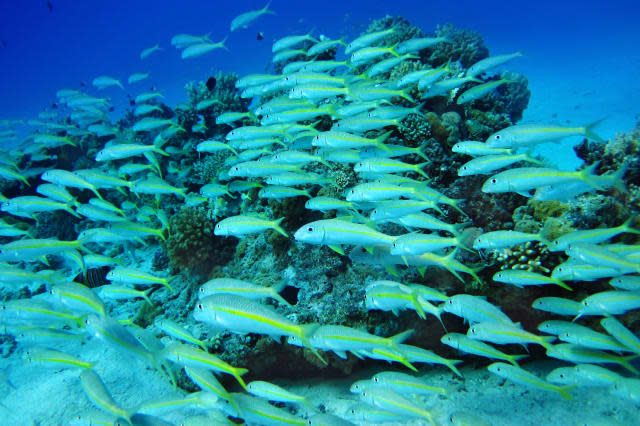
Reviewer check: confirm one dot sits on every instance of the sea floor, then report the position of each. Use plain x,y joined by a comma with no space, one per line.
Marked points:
49,396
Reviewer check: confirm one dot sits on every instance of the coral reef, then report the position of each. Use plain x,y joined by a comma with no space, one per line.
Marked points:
465,46
191,243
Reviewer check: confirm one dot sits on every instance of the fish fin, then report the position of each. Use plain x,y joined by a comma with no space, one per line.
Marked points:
266,9
418,169
278,228
590,133
340,354
337,249
563,391
391,269
237,373
401,337
305,331
421,271
381,139
145,296
513,359
588,175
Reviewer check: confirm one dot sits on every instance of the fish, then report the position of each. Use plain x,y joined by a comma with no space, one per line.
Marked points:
367,40
334,232
480,91
393,402
465,344
290,41
28,206
53,358
245,19
272,392
242,315
137,77
241,225
115,292
149,50
578,354
181,41
557,305
621,333
524,179
131,276
389,165
97,393
78,298
476,309
521,278
324,45
486,64
177,331
242,288
593,236
418,44
502,333
487,164
404,384
523,377
258,411
68,179
104,81
525,135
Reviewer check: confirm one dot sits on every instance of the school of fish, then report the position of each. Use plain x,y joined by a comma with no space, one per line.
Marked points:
303,122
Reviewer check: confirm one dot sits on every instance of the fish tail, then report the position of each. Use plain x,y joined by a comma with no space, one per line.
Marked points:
418,169
563,285
625,362
627,226
267,10
145,296
95,191
590,177
420,151
451,363
513,359
564,391
69,210
393,50
276,293
160,151
400,337
278,228
403,94
381,139
24,180
590,133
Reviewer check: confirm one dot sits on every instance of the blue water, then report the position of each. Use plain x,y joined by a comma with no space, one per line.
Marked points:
581,58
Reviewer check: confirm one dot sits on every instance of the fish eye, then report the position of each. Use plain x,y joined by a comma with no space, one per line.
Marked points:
498,369
200,306
498,137
450,302
375,379
494,181
474,331
561,376
310,229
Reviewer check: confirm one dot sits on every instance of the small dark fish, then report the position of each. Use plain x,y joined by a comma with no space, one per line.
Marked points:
132,102
82,84
54,105
112,109
211,83
260,35
49,6
95,277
